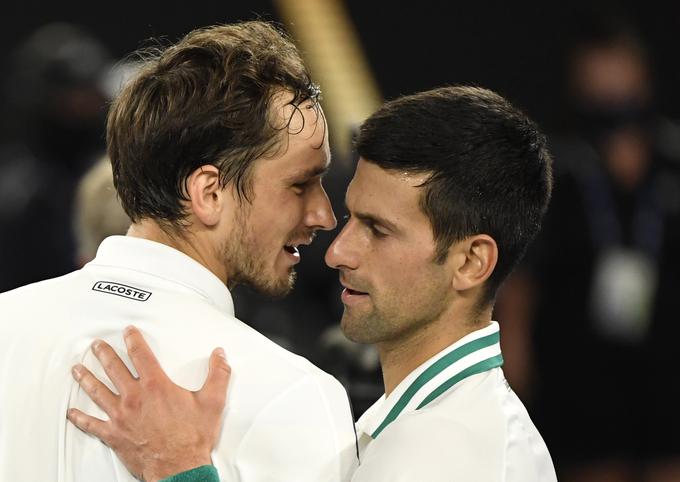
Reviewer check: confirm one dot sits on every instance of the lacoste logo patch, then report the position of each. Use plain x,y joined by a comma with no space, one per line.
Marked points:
121,290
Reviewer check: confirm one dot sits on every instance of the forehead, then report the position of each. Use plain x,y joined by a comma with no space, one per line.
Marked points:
303,138
386,193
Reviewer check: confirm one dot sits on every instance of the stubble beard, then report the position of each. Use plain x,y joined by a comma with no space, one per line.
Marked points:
390,320
246,264
362,327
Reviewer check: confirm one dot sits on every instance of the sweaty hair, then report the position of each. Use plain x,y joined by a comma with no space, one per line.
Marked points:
205,100
490,169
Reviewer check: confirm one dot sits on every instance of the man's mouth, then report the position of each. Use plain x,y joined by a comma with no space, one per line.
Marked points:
293,252
350,285
350,295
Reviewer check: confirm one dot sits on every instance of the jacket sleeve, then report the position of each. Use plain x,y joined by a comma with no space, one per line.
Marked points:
205,473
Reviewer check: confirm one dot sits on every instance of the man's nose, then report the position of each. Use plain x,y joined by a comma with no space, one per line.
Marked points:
340,253
320,214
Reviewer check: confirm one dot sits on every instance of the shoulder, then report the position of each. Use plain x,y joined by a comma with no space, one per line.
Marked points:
184,330
474,430
38,296
247,346
477,432
426,446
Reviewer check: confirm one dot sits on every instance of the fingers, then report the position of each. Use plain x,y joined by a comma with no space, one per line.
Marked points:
214,389
88,424
113,366
141,355
97,391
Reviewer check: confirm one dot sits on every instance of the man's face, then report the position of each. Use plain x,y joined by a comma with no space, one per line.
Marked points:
385,258
288,205
610,77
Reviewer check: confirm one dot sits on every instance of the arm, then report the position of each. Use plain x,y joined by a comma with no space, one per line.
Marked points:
174,429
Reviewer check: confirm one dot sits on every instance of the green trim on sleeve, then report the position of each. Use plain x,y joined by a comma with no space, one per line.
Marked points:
204,473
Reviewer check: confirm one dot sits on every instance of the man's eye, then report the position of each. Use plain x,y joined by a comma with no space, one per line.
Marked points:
299,187
376,232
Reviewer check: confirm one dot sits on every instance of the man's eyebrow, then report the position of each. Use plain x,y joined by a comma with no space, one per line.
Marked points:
310,172
374,219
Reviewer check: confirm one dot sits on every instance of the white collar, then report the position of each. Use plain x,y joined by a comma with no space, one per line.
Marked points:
476,352
164,262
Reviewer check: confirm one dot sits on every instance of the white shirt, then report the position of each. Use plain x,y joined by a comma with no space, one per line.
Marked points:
286,420
454,418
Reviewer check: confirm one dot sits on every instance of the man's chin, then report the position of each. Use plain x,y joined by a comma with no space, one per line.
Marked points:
355,328
275,288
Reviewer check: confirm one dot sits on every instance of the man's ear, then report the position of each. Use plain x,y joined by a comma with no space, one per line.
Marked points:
473,260
206,197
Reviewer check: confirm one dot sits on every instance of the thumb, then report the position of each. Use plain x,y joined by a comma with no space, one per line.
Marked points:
214,390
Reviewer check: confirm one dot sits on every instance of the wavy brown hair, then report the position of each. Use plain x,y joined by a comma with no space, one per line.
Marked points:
205,100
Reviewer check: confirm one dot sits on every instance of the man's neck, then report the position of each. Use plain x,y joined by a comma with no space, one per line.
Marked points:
400,357
190,244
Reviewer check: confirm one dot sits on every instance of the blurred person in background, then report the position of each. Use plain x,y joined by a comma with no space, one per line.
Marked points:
98,213
597,361
57,104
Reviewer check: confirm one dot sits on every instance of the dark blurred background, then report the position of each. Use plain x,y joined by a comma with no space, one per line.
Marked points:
514,47
589,319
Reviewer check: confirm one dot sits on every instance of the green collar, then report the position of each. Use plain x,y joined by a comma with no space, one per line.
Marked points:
475,353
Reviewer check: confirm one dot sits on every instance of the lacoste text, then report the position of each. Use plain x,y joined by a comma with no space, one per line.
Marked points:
121,290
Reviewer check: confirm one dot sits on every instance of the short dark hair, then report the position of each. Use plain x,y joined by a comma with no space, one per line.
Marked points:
490,168
205,100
